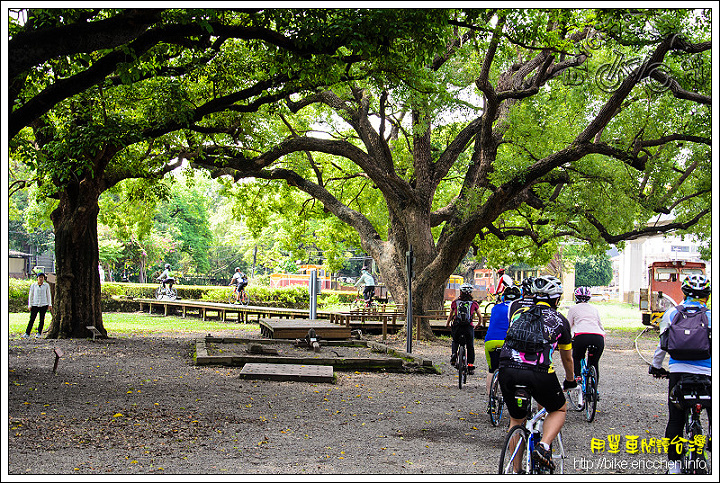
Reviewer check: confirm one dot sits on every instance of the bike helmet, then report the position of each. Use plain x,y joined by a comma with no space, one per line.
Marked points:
466,288
237,269
511,293
546,287
527,285
582,294
167,265
500,270
696,286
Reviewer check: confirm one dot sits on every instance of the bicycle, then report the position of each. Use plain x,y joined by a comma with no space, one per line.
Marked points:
495,400
462,363
692,394
166,291
587,387
238,296
516,455
361,304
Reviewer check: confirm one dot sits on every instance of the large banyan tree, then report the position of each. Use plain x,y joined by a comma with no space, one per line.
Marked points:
501,131
526,128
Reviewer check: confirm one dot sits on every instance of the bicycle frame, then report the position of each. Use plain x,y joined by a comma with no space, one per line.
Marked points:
462,361
693,402
695,460
582,386
532,428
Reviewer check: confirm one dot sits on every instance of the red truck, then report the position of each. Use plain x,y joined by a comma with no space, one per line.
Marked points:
663,292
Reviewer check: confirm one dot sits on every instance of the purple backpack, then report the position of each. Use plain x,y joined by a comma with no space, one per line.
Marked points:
688,337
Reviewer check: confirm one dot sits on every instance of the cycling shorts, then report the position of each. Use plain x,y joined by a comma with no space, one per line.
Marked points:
544,387
492,354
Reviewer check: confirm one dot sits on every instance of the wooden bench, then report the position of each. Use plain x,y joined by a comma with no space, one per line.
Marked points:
94,331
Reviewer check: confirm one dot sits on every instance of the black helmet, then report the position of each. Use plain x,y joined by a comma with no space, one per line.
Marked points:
696,286
511,293
527,285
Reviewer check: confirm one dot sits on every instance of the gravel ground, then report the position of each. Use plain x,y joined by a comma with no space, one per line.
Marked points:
138,405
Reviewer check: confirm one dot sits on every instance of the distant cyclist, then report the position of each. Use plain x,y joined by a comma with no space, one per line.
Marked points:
165,277
369,282
535,370
239,279
696,289
497,328
526,300
460,320
504,281
587,330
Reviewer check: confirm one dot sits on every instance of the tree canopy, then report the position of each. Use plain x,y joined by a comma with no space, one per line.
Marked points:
504,131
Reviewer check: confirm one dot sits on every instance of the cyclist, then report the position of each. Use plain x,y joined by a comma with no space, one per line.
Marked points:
696,289
369,282
464,304
497,328
527,297
535,371
165,277
504,282
587,330
239,279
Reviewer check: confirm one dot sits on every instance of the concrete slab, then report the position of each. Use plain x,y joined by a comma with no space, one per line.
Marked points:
287,372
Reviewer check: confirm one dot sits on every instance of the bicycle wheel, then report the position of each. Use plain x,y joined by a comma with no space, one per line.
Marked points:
243,298
495,400
513,460
590,394
462,365
558,455
694,462
159,292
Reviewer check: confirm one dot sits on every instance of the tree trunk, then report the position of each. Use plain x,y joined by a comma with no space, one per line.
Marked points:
427,291
77,290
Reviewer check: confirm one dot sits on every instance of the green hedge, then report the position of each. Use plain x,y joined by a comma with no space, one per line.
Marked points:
284,297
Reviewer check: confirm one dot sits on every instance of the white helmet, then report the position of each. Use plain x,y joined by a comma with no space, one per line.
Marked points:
546,287
466,288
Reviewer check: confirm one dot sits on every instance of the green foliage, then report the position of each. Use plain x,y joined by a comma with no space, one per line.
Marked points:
593,271
285,297
18,288
161,104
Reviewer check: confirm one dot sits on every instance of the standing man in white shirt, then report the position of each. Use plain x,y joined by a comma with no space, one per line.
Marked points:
39,301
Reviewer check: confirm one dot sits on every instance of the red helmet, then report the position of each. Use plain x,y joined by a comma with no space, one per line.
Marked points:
501,270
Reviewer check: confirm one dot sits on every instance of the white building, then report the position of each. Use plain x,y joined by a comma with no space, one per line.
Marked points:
630,266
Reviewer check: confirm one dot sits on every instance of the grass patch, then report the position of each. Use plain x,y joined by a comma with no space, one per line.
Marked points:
120,324
615,316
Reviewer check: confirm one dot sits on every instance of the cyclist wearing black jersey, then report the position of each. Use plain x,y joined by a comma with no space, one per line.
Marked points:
527,298
535,370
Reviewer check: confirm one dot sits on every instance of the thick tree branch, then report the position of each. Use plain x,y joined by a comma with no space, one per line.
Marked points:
33,47
644,231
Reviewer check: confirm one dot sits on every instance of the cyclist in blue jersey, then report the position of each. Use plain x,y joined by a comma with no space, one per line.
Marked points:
497,328
696,289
